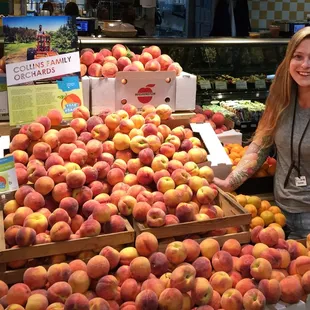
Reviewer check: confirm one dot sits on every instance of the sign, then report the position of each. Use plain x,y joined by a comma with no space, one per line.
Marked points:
220,85
260,84
241,85
205,84
8,178
42,66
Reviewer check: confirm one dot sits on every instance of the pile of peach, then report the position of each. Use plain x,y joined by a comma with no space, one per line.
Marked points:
263,213
79,180
2,65
187,276
236,151
108,62
216,120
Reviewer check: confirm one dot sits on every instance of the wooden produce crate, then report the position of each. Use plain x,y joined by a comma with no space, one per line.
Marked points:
55,248
235,215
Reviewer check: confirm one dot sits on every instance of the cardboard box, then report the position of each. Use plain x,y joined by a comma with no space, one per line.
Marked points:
230,136
4,108
86,91
218,160
140,88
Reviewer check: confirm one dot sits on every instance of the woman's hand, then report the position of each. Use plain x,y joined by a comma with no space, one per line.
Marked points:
223,184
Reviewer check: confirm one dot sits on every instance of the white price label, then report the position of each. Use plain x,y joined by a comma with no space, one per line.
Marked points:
8,178
260,84
241,85
205,84
220,85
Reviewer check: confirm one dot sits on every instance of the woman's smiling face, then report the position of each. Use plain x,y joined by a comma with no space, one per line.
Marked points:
300,64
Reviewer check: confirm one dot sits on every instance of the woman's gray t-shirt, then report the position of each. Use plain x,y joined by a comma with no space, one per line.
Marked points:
292,198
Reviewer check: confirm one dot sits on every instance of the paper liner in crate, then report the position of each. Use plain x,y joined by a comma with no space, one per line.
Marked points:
218,160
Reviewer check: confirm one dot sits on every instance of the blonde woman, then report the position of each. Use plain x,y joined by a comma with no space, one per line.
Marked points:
285,123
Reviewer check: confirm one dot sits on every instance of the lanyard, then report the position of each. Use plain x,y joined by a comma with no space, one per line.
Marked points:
293,163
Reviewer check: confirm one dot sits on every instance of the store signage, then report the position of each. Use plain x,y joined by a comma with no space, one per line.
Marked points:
42,65
8,178
241,85
205,84
220,85
260,84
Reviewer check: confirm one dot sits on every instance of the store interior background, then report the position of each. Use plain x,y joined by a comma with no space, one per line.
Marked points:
178,18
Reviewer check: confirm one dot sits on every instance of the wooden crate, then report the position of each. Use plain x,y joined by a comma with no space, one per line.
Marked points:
55,248
235,215
243,237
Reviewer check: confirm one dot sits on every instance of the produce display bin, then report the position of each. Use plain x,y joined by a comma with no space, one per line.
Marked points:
235,216
55,248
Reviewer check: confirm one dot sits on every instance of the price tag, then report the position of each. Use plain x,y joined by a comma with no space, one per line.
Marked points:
241,85
220,85
302,181
8,178
260,84
205,84
253,125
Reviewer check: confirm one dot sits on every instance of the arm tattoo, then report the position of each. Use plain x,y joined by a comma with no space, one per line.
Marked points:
252,160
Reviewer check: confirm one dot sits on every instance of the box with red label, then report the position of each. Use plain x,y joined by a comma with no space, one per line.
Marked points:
139,88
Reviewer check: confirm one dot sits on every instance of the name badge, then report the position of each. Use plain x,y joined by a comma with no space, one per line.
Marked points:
302,181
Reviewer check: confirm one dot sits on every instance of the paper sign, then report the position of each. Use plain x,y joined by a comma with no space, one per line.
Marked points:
8,178
42,65
241,85
260,84
4,144
205,84
220,85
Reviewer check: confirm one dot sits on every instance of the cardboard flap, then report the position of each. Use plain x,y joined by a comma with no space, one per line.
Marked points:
4,144
217,154
140,88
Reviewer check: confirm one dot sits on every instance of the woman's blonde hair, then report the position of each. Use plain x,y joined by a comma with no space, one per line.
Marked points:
280,92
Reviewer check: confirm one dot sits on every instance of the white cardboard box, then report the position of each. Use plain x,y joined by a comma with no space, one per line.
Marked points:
86,91
217,157
230,136
138,88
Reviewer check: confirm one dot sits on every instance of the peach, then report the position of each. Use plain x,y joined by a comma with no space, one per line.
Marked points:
258,249
112,255
116,196
246,249
268,236
155,285
18,294
205,195
8,221
20,142
232,299
124,155
109,69
84,137
25,236
122,274
81,112
261,269
79,281
67,135
57,173
170,298
183,278
87,58
254,299
277,275
103,168
271,290
10,234
291,290
56,306
77,301
274,257
3,288
90,228
98,303
140,268
97,267
305,282
245,285
20,215
127,255
42,151
107,287
159,263
232,246
221,281
146,299
79,156
76,179
209,247
53,159
175,66
116,224
59,292
35,277
70,205
14,307
236,277
34,201
146,244
176,252
51,138
60,231
203,267
35,131
201,292
10,207
35,172
79,125
152,65
20,157
302,264
155,217
129,290
37,302
57,216
185,212
36,221
82,194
